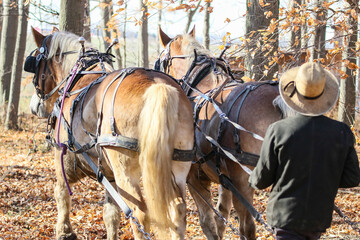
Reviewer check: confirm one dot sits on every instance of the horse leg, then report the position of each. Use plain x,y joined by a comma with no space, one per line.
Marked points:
111,216
64,230
247,225
180,171
199,184
127,176
224,205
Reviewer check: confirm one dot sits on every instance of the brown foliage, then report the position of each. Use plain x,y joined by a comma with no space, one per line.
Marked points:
28,209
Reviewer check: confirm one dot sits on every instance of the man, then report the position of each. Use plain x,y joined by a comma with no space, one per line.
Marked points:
306,157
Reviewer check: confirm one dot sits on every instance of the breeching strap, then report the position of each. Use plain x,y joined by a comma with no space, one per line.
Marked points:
62,145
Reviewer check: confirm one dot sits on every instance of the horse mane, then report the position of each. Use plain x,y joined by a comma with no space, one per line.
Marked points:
189,44
284,108
62,42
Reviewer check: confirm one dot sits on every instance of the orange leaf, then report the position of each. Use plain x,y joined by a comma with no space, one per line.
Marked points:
352,66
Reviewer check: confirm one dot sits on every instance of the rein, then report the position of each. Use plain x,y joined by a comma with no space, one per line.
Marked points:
62,145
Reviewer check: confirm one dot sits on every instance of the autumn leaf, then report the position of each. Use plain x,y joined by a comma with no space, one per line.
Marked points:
268,14
227,20
310,22
352,66
247,79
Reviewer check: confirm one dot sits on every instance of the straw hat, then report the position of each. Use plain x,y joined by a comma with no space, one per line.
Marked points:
309,89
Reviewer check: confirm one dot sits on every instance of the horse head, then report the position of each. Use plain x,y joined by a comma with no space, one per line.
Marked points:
50,63
185,58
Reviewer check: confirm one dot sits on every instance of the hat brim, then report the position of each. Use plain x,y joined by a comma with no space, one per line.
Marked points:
309,107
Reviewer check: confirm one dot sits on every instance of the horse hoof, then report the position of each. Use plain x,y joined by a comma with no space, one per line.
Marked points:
68,236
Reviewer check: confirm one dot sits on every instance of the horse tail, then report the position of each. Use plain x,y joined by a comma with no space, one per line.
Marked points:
157,125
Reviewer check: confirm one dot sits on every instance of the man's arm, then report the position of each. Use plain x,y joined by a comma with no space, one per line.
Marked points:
351,173
263,174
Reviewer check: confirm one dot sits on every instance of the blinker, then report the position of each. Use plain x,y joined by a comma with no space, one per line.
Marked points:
30,64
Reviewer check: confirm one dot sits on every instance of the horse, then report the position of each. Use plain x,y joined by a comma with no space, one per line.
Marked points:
133,123
253,106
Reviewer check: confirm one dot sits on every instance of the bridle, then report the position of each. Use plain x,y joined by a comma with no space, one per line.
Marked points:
164,61
201,66
32,65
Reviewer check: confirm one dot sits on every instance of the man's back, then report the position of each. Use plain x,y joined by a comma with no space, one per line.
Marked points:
306,159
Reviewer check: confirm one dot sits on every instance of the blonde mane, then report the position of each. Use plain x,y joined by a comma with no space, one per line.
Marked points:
62,42
189,44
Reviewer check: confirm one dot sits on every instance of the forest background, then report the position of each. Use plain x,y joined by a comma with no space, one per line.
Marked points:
267,37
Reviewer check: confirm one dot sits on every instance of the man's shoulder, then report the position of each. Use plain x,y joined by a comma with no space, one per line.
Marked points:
298,121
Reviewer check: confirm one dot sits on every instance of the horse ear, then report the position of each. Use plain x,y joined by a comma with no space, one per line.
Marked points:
192,32
55,29
164,39
38,37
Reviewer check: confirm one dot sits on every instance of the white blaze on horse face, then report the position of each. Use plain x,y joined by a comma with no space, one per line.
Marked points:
37,107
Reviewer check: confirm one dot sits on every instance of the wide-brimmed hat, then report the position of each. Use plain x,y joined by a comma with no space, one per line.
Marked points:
309,89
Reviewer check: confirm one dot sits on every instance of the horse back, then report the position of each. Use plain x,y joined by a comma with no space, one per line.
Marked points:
251,106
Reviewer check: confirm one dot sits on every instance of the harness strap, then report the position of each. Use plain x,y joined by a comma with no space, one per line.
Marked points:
101,178
227,154
222,115
104,181
110,140
227,183
112,117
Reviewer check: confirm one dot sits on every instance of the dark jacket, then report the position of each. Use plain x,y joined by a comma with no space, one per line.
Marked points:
306,159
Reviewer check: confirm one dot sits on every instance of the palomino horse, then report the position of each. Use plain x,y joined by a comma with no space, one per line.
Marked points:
249,104
110,109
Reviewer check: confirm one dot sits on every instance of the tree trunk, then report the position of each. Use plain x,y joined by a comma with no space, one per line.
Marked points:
158,44
143,55
124,36
13,104
87,21
1,16
190,16
320,31
115,34
8,40
346,112
207,25
258,53
71,18
296,35
105,16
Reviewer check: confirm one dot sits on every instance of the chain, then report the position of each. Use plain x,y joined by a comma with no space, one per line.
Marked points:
266,226
140,227
218,214
347,219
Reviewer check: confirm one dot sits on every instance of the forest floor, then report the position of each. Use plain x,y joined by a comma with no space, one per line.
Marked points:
28,208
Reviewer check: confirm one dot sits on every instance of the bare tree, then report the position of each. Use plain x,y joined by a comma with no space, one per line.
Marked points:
158,44
296,33
116,34
14,96
71,17
105,17
143,41
320,31
207,24
1,16
259,54
190,15
346,112
124,36
87,21
8,40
